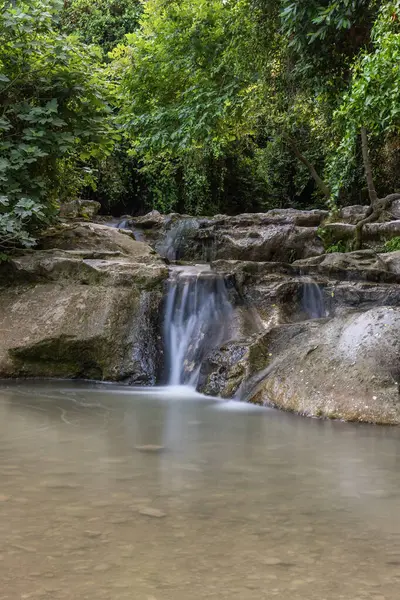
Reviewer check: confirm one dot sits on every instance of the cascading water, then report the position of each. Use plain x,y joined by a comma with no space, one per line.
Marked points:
198,317
312,300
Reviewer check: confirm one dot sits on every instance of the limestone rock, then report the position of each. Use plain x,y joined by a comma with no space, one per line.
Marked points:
392,261
353,214
151,219
80,209
394,209
343,364
96,237
347,368
90,310
344,368
279,235
236,239
282,235
360,265
229,369
373,233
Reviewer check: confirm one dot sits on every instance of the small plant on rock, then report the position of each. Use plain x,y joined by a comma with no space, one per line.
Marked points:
392,245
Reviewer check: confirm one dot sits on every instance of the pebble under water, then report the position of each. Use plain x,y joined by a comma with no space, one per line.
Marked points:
117,493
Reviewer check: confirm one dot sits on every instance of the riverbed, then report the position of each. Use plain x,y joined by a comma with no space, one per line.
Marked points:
118,493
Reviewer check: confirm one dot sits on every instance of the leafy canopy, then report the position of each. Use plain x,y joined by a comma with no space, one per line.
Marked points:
185,86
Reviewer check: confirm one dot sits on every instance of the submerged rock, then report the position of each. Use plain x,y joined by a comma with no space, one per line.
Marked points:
89,309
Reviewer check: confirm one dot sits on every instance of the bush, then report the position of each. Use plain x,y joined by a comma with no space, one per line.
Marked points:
54,117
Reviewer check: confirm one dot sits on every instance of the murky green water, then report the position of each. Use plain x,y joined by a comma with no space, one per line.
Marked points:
238,505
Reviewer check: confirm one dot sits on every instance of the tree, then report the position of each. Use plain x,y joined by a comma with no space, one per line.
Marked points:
372,105
193,105
101,22
54,117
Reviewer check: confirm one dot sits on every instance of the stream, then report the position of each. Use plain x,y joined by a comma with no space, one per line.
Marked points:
111,492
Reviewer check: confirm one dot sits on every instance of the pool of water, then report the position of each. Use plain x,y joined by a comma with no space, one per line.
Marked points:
115,493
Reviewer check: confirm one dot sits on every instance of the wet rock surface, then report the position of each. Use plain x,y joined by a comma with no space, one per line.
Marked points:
280,235
86,306
346,368
341,361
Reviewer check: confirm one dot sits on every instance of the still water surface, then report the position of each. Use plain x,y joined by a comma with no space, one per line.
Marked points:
238,504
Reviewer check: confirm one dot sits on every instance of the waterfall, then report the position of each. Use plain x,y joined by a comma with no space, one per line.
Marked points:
312,300
197,319
173,244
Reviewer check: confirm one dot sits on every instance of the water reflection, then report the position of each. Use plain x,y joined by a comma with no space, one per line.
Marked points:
111,493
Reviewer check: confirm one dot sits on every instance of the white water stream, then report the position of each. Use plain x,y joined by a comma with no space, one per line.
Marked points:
197,318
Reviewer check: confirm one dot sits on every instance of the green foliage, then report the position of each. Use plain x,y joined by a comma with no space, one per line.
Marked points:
324,37
331,244
340,246
373,100
392,245
54,117
188,54
224,105
115,180
101,22
373,97
187,97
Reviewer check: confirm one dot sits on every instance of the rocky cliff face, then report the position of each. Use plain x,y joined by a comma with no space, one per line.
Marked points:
86,305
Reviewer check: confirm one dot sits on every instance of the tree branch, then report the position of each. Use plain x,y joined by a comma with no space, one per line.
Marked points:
373,196
318,180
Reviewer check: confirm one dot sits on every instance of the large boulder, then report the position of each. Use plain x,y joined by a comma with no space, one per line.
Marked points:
86,306
344,368
281,234
94,236
278,243
330,344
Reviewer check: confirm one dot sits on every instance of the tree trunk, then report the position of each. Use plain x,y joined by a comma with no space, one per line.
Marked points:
377,205
313,172
373,196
